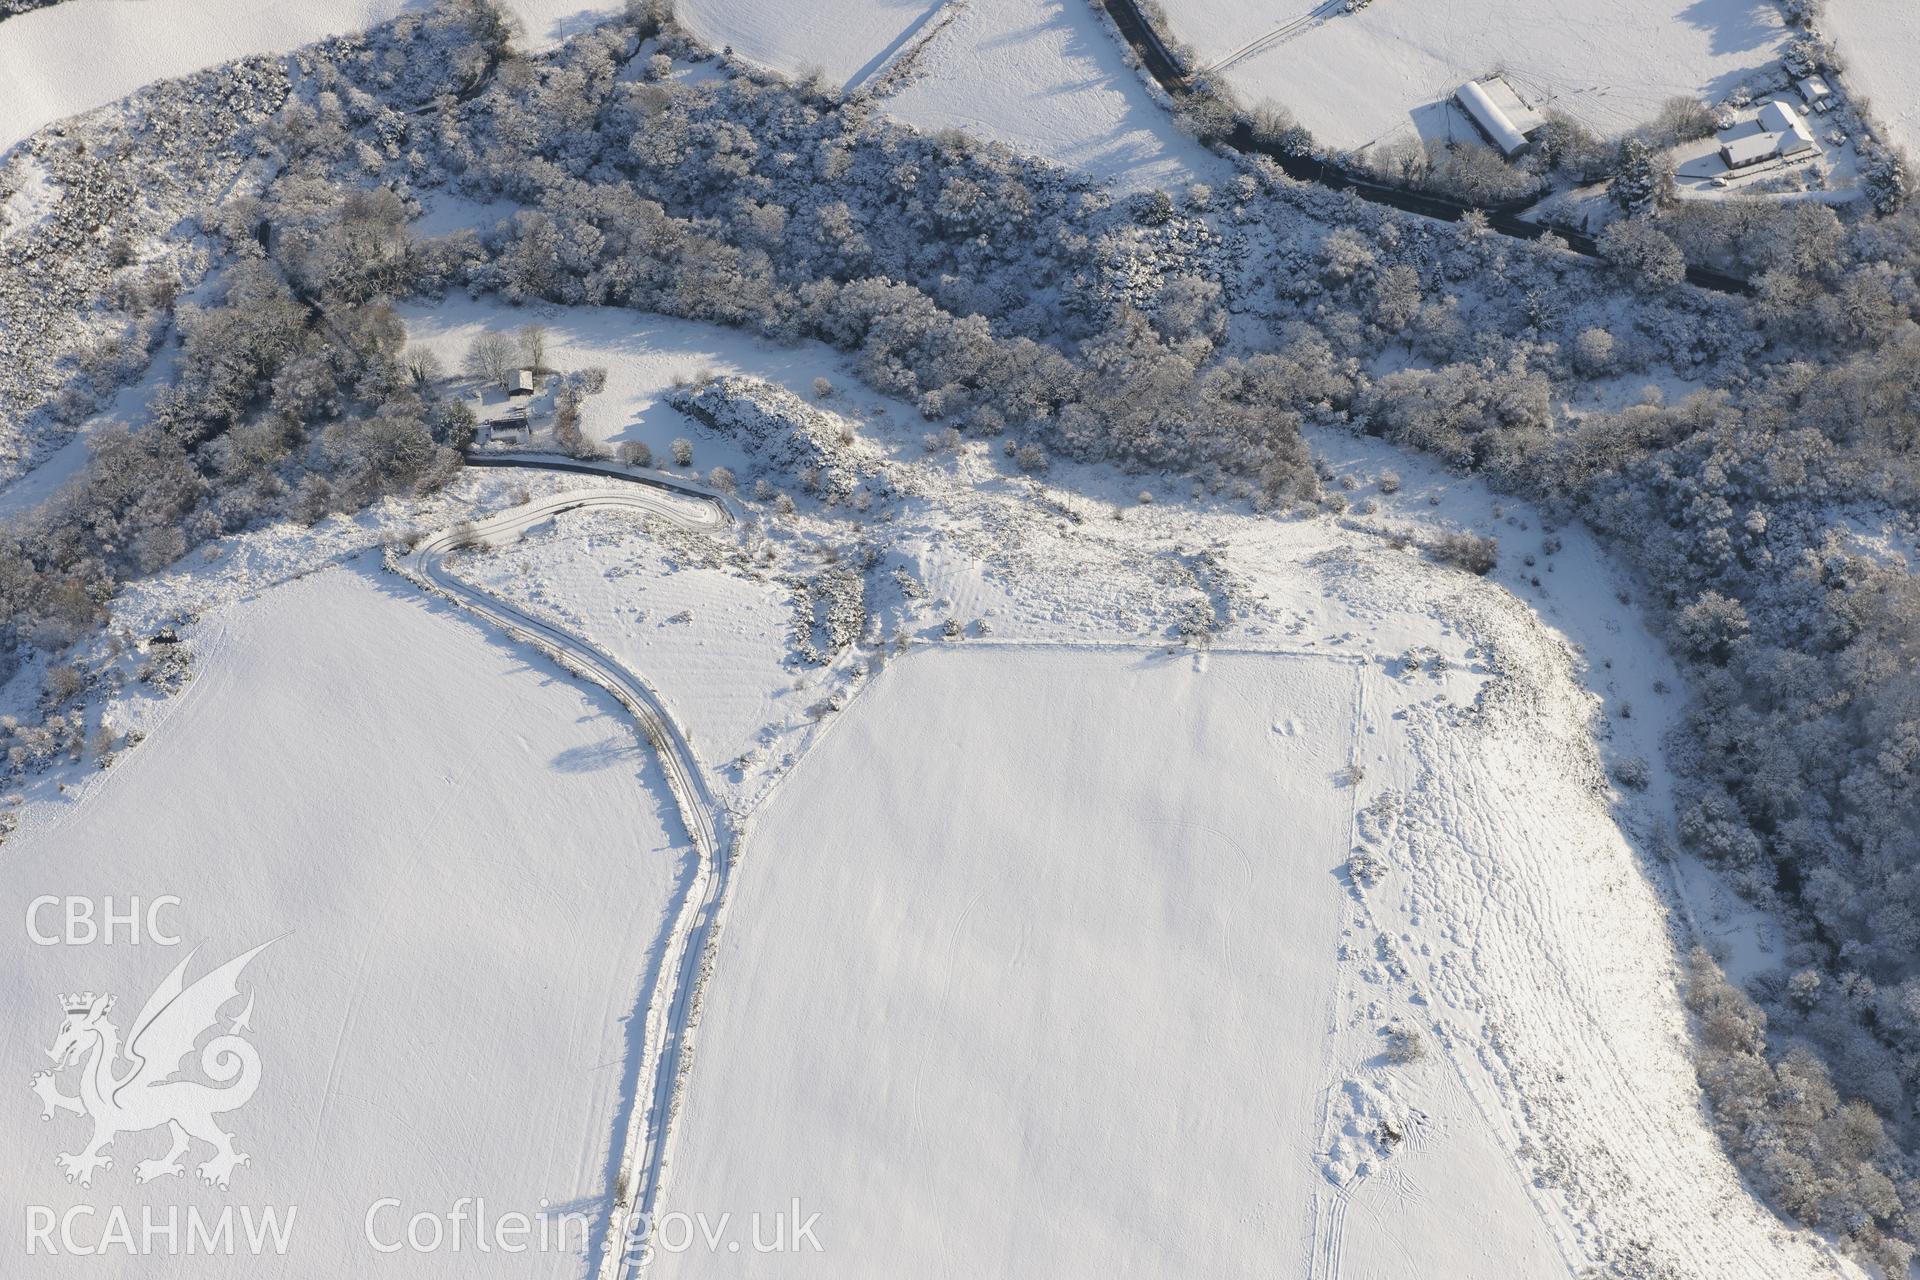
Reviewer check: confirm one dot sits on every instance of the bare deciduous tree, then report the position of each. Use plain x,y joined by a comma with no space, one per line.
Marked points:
490,357
533,346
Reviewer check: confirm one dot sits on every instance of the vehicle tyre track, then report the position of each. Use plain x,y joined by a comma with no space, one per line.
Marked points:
1279,35
672,1007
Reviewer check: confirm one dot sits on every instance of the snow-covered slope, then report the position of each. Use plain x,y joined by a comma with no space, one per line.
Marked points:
72,57
468,866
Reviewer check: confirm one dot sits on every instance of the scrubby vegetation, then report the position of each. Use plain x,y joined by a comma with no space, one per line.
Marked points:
1820,1158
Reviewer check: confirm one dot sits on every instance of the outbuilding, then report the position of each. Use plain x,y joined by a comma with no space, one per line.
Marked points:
1502,115
512,426
520,383
1816,93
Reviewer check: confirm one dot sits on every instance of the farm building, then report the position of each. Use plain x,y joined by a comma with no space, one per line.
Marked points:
1816,93
1777,133
520,383
1499,113
511,426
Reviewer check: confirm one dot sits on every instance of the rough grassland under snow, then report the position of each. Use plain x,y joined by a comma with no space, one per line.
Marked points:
465,855
1362,77
1033,967
1878,40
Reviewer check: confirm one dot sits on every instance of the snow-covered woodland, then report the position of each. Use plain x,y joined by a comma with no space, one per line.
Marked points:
1729,448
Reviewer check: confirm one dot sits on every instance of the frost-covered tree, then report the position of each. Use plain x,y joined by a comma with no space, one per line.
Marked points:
532,345
490,357
1642,178
1644,252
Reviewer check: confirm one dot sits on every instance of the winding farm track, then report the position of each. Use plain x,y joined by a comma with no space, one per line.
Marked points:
672,1006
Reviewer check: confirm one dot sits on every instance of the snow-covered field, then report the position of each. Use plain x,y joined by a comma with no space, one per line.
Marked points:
467,862
1386,70
1035,962
1878,38
849,41
711,641
1521,919
72,57
1048,79
1043,76
1056,945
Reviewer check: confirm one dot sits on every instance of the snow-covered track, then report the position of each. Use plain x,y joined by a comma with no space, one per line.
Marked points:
596,467
672,1005
1279,35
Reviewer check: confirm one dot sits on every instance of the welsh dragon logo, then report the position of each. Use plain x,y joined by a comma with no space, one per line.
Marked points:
144,1093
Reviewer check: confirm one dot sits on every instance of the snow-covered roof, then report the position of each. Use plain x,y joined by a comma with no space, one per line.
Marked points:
521,383
1778,130
1499,112
1780,118
1751,149
1813,88
1508,99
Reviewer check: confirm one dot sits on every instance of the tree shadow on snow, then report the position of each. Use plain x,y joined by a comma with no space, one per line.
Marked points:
1736,26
